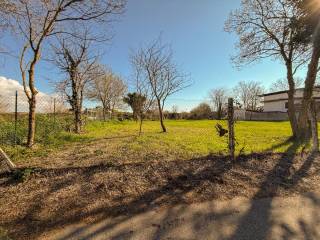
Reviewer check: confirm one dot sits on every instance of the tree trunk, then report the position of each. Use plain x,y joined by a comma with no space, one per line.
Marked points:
291,105
77,122
140,127
32,121
77,117
161,117
104,113
314,126
303,122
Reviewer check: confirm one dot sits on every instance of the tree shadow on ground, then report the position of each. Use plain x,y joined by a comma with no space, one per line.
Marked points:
172,190
253,227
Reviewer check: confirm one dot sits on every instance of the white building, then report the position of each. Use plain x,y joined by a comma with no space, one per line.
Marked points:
278,101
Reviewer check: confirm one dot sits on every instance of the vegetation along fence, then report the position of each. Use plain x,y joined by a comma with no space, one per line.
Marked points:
52,116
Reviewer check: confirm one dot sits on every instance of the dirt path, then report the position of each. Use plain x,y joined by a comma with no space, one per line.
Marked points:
134,200
295,217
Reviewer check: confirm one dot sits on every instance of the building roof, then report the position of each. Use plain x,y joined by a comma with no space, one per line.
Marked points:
280,92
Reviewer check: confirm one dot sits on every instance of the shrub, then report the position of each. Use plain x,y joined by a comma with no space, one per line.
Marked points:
203,111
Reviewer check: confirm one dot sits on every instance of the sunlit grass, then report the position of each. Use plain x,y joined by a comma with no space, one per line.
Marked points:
198,137
184,138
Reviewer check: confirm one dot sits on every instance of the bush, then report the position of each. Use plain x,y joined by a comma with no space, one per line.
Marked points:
203,111
10,136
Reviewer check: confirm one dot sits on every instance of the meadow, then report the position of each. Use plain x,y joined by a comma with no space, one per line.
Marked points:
110,170
184,139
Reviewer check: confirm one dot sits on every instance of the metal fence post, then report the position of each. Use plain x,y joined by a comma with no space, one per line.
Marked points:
16,119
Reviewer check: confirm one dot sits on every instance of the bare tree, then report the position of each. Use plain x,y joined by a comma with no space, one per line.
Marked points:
175,112
37,21
146,99
218,97
5,9
107,88
282,84
74,61
267,29
310,33
157,69
247,94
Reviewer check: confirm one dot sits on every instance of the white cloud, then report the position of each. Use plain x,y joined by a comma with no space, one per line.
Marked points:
8,88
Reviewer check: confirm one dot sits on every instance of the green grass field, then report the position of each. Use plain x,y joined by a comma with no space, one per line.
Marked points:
184,138
198,136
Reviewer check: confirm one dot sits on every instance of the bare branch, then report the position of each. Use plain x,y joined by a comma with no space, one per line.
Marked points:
157,69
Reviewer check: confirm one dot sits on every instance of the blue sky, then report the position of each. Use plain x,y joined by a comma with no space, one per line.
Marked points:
194,28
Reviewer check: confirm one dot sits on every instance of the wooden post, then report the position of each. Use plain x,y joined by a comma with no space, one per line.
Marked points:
231,128
7,160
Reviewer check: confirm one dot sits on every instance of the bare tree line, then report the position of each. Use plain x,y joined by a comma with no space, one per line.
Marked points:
38,22
246,94
62,28
108,89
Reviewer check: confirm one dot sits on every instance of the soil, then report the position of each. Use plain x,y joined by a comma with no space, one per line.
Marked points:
45,198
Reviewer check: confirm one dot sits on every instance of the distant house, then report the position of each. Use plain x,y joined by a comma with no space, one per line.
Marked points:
275,106
278,101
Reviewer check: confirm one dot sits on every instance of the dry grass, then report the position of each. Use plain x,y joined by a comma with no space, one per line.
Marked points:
54,197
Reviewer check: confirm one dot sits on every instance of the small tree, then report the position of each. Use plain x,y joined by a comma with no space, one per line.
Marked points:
73,60
157,69
107,88
137,102
202,111
218,97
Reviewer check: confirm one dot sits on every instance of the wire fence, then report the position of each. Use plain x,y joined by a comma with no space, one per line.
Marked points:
52,116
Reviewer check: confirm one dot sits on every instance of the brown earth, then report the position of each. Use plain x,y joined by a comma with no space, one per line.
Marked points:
54,197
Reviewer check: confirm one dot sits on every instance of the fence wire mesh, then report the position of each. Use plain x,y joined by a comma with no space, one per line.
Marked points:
52,116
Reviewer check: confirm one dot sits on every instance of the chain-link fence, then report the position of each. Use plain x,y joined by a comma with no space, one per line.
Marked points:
52,116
